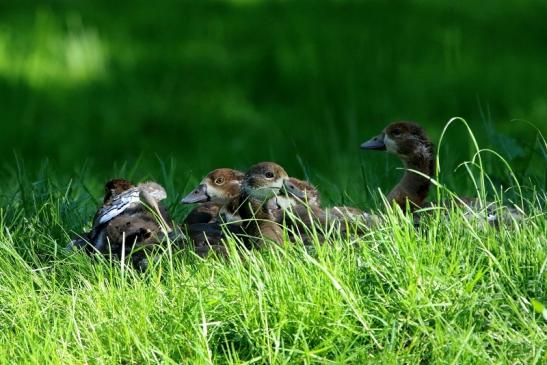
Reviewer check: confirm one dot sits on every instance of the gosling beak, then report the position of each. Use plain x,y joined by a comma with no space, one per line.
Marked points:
290,189
199,195
376,143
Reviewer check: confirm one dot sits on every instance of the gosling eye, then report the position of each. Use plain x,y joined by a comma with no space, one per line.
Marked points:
396,132
219,180
269,175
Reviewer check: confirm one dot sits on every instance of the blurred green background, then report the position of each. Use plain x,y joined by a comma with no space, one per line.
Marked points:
103,88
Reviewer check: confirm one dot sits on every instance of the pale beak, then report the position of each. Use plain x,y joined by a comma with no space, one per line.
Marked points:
377,143
199,195
291,189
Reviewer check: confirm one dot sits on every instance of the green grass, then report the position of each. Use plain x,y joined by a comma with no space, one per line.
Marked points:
170,91
453,291
447,294
230,83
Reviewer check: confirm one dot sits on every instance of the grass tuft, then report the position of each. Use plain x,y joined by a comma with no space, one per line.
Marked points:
454,289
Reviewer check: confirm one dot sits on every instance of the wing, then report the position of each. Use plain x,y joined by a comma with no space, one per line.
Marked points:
124,201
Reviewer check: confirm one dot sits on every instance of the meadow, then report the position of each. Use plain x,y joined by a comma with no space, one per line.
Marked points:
170,91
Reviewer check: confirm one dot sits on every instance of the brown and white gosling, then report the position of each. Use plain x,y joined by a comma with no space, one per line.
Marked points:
262,184
131,216
311,195
409,141
112,188
411,144
309,210
213,195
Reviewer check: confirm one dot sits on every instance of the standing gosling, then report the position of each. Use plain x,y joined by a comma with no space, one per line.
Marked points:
411,144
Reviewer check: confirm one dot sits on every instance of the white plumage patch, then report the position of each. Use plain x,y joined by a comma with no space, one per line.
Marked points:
284,202
216,195
119,204
391,145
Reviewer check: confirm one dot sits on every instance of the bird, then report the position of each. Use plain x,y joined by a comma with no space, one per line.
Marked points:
298,208
312,196
265,185
143,197
256,204
130,217
213,194
308,211
112,188
410,142
204,224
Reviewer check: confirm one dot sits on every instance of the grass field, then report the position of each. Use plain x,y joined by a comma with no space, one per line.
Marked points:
451,292
170,91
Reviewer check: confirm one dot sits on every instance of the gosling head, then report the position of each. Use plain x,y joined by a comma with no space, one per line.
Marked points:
115,187
296,187
407,140
152,190
219,186
266,180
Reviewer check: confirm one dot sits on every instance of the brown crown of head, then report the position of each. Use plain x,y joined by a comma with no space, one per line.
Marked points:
226,182
264,174
307,188
409,138
219,187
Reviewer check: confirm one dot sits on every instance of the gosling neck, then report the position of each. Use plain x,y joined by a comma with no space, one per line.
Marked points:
415,187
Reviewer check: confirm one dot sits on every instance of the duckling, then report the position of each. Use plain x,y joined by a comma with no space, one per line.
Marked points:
270,199
304,209
297,206
409,141
411,144
310,210
125,217
311,194
263,182
131,201
213,194
112,188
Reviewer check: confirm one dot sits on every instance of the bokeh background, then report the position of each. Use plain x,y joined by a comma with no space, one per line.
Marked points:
96,89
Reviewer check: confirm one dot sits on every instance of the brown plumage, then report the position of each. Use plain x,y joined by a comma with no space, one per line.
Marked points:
411,144
263,182
138,229
207,223
141,199
112,189
214,193
204,213
299,214
311,195
130,218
